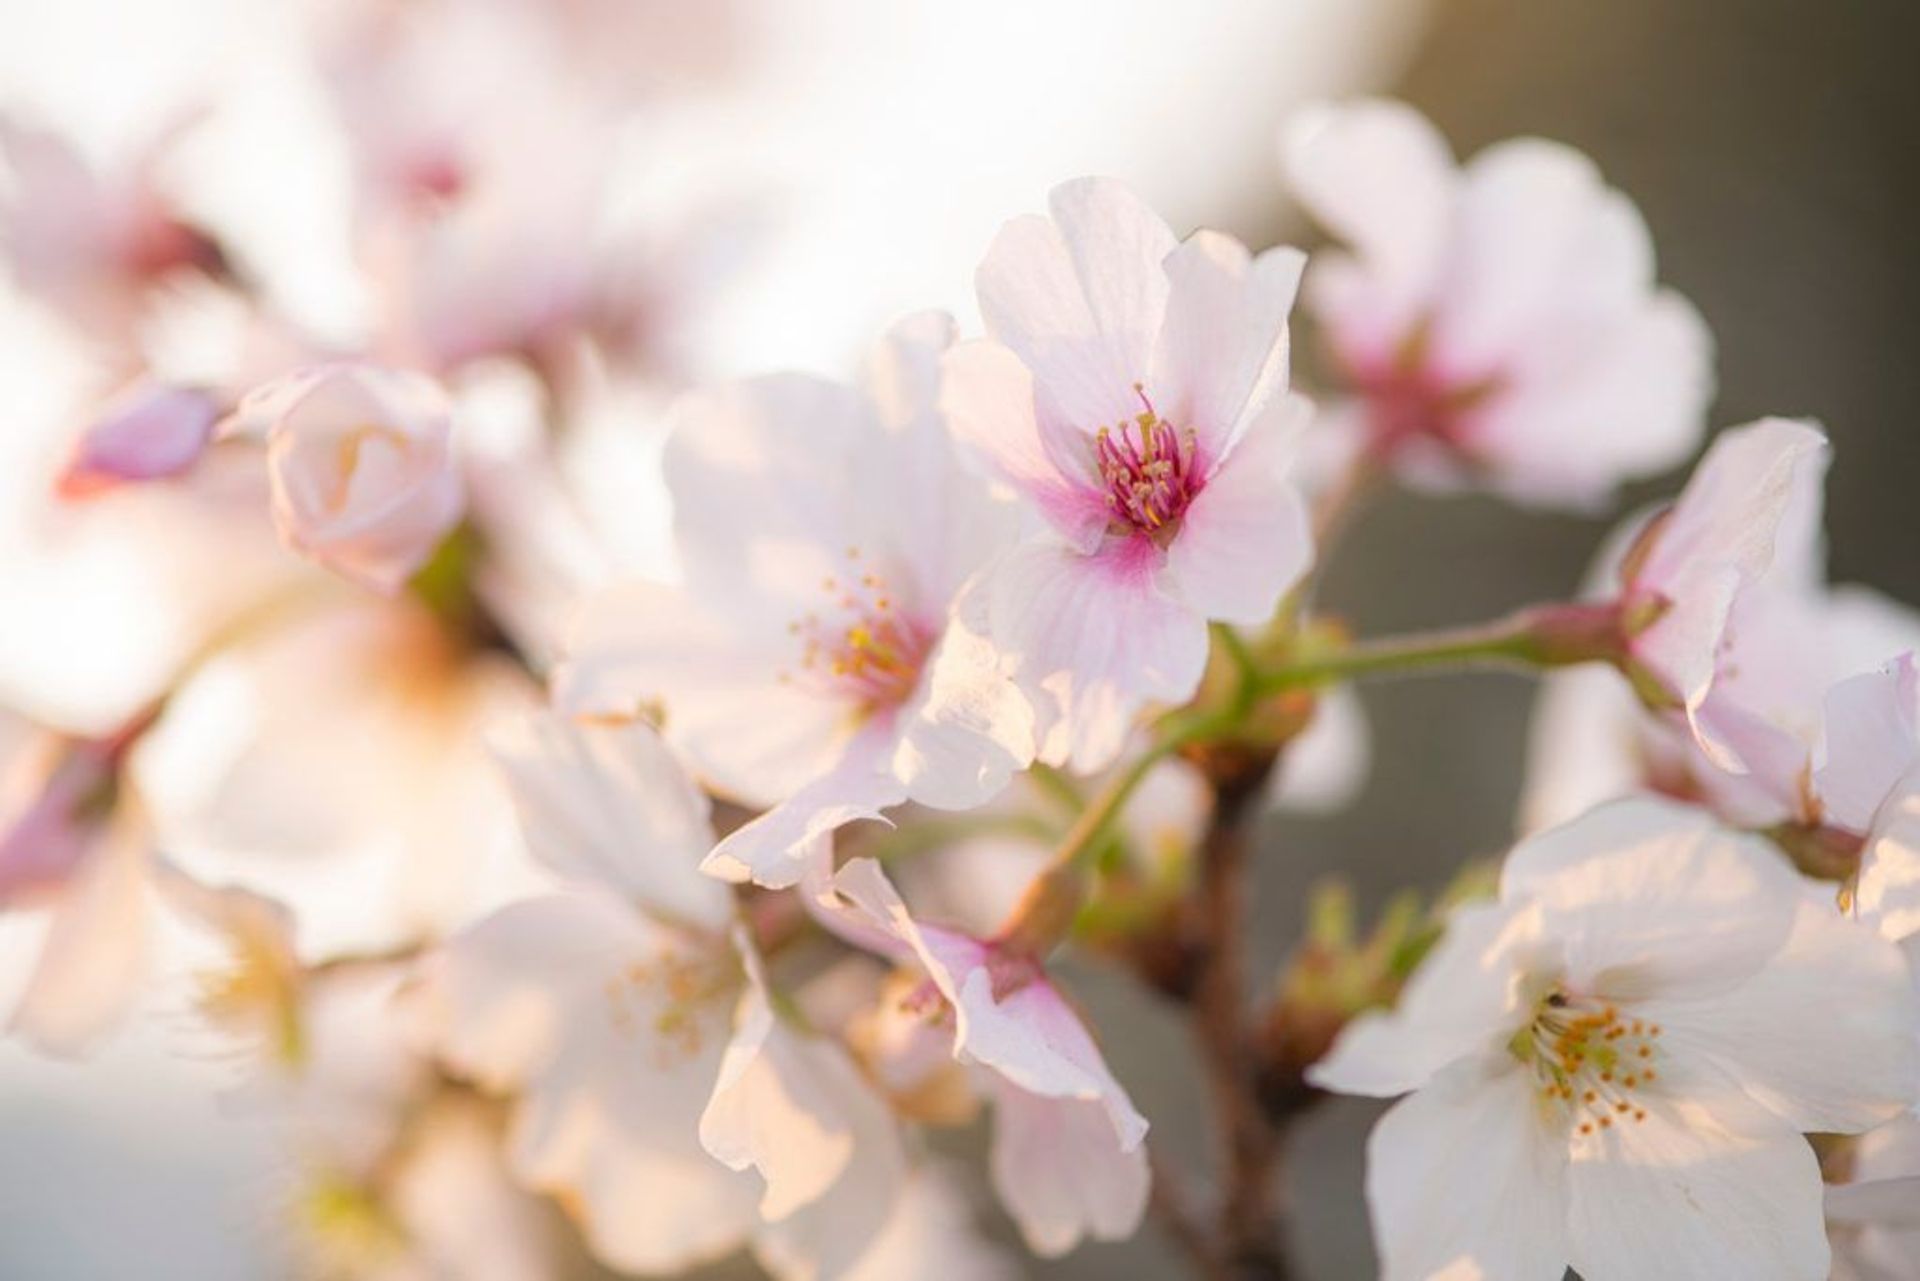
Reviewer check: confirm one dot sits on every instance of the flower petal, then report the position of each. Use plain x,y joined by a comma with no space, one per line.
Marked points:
1654,898
728,714
1711,1188
1222,351
1863,1066
1380,177
1061,1174
1092,639
1464,1000
605,806
1463,1182
988,397
1246,538
775,849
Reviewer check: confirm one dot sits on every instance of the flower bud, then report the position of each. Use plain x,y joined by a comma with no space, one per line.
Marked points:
150,432
361,465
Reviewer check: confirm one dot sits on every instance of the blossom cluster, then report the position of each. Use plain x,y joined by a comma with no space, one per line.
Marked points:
705,899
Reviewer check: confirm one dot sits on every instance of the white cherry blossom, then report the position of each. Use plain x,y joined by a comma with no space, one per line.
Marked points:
812,662
1611,1067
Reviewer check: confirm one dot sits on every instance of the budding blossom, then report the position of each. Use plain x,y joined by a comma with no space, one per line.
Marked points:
153,431
1612,1067
813,661
1134,393
1068,1158
1496,324
360,460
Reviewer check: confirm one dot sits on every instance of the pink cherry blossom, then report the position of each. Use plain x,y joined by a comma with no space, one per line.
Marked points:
1068,1159
1134,393
1497,323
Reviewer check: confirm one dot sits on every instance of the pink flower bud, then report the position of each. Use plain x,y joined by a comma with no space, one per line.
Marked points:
361,465
150,432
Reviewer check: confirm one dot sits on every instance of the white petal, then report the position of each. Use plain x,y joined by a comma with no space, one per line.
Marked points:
1719,537
1652,897
1079,298
988,397
727,711
1246,538
1465,1184
1092,639
96,949
1860,1068
1888,893
775,849
570,1001
932,1233
1872,737
605,805
1061,1174
973,729
1326,767
777,1108
1380,177
1222,352
1584,746
1712,1188
1540,242
1464,1000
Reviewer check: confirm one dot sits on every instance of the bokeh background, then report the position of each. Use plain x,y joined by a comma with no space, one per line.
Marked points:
1771,144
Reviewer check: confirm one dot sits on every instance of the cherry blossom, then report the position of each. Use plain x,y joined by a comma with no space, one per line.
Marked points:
1068,1158
1777,698
76,847
812,662
1610,1068
1134,393
1496,324
361,463
607,1019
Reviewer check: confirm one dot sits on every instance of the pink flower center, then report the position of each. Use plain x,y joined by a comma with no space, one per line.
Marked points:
1147,468
864,648
1408,399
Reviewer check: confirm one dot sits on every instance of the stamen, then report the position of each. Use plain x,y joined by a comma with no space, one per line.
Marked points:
1147,466
1590,1060
862,647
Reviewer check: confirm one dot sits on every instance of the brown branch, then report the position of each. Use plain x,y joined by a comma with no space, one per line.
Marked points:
1250,1237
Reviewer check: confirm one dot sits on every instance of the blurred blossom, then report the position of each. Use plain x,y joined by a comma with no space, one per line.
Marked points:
1495,324
152,432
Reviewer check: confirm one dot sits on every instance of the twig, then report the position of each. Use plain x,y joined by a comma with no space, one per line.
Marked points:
1251,1247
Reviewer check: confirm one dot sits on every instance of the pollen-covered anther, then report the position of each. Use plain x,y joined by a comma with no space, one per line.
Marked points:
1147,466
1592,1061
860,646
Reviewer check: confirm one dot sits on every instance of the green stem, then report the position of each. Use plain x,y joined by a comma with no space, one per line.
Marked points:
1532,639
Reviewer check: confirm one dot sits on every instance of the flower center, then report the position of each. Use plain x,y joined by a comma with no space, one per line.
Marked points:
1147,467
863,647
677,997
1593,1061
